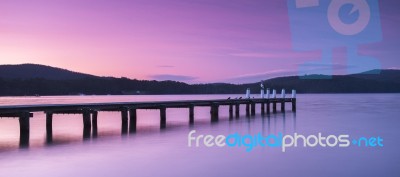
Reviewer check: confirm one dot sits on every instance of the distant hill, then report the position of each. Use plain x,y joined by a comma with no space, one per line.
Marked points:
385,82
30,71
389,75
31,79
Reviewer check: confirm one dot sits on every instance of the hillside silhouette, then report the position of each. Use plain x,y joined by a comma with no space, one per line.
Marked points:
32,79
31,71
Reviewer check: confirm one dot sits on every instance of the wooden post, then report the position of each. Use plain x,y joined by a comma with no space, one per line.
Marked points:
191,114
283,106
274,106
214,112
230,111
247,109
268,108
24,129
163,116
86,124
294,104
253,108
262,108
94,124
132,120
124,118
237,110
49,127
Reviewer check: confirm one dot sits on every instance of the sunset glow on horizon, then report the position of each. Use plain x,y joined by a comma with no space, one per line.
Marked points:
191,41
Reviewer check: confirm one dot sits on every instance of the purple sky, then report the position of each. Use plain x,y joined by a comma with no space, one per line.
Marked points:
187,40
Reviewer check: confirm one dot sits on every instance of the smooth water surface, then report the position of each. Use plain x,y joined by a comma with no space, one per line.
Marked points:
154,152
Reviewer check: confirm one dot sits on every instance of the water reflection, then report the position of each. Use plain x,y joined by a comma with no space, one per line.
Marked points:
331,114
278,119
49,136
284,122
24,140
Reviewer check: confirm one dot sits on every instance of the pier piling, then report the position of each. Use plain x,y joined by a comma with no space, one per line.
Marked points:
163,116
86,124
283,95
230,111
24,129
94,124
49,127
294,104
237,110
214,112
247,109
124,120
262,108
293,100
191,114
132,120
253,108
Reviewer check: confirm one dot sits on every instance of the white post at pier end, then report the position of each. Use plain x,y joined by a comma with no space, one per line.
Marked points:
273,93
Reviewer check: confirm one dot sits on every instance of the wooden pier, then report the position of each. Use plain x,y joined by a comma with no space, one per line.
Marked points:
128,111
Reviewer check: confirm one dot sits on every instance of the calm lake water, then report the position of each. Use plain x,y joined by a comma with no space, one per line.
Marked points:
154,152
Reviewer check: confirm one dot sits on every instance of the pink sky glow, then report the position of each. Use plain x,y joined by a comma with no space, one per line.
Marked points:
193,41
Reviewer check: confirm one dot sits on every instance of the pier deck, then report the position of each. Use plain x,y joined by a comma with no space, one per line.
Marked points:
90,111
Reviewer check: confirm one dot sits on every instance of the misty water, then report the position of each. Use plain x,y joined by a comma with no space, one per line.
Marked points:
154,152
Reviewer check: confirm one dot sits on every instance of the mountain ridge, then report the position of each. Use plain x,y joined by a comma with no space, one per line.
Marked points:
33,79
31,71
